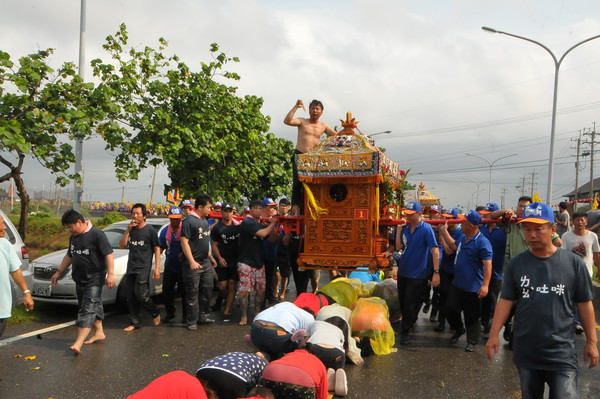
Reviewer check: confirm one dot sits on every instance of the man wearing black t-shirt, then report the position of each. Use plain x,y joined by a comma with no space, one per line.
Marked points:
142,241
225,246
547,283
250,264
92,258
198,263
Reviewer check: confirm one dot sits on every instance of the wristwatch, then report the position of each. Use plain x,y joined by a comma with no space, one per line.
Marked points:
436,271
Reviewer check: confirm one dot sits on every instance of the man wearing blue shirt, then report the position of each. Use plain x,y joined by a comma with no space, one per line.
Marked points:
497,237
447,265
416,240
472,273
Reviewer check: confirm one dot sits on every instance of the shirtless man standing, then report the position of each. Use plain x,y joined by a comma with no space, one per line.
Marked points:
309,133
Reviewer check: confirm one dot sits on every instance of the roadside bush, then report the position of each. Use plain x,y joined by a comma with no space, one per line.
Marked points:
44,208
39,215
42,223
109,218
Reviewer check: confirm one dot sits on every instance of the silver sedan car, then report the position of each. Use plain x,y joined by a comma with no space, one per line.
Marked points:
65,293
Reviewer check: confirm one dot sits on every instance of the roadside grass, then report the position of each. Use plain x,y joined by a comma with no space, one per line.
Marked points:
21,316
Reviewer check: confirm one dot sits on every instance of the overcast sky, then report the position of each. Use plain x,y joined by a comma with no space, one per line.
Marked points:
423,69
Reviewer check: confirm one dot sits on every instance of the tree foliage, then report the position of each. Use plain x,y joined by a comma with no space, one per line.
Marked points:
41,110
163,112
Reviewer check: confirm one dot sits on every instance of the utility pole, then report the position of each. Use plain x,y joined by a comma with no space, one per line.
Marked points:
578,140
78,185
532,181
502,197
592,134
152,189
592,162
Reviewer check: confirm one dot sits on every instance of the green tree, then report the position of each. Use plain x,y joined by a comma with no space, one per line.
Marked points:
41,111
210,139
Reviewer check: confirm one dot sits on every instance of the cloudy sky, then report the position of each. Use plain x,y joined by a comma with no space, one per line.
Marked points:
423,69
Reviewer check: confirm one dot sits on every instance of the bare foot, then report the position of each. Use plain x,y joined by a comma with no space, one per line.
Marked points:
76,348
243,322
129,328
97,337
156,320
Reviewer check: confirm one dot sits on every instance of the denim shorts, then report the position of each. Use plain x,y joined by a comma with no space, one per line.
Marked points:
90,305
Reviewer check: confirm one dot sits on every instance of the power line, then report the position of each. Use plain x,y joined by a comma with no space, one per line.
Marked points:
499,122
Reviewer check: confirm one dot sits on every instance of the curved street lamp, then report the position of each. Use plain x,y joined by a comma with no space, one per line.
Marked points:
378,133
491,165
557,63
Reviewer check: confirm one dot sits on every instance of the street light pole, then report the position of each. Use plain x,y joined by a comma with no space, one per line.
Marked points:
557,63
478,185
78,185
491,165
378,133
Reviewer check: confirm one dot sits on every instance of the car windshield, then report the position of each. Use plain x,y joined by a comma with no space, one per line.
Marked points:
114,234
9,234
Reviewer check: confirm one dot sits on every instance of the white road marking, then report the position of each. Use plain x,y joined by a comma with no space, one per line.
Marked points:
8,341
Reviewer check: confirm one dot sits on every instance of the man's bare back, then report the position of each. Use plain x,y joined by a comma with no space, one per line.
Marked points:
309,130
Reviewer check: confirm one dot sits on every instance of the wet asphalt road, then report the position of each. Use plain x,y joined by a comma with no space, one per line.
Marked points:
126,362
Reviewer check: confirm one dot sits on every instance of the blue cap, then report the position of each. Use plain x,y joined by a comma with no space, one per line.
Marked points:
269,202
537,212
489,208
472,216
435,208
451,213
413,207
175,212
186,202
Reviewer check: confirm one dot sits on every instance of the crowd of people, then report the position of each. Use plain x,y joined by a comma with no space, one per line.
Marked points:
454,268
526,272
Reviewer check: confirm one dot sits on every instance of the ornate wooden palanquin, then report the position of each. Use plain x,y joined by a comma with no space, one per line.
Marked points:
342,202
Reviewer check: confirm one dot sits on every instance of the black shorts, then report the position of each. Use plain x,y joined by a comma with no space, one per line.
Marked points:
228,272
283,264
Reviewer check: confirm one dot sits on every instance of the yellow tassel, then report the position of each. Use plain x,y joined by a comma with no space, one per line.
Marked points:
377,205
313,207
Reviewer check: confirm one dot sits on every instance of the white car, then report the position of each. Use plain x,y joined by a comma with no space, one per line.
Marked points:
64,293
13,236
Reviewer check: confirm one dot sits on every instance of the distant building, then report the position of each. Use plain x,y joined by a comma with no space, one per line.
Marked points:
584,191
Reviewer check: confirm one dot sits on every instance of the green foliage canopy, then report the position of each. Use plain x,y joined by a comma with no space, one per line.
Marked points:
41,110
210,139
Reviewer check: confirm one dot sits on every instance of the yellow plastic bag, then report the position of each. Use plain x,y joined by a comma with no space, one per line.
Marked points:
366,289
370,318
342,291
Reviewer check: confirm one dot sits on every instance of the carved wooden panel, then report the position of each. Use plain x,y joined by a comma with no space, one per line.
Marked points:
361,195
360,250
361,231
337,230
336,249
316,249
311,232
